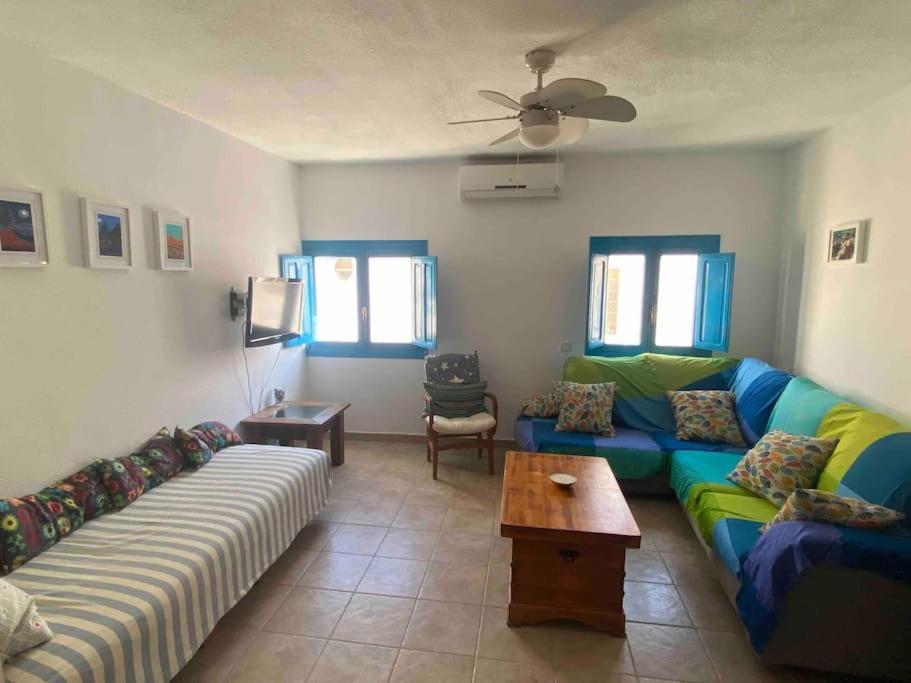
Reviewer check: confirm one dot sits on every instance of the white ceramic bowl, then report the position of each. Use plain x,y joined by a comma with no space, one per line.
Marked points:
562,480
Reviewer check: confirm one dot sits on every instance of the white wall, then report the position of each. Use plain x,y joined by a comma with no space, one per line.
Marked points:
93,362
513,274
854,330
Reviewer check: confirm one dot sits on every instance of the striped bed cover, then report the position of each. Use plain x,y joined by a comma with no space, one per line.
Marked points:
132,595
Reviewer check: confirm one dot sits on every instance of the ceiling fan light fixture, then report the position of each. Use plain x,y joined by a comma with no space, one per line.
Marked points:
540,128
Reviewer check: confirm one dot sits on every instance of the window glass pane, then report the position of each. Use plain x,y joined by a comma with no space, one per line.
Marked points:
623,299
336,299
390,299
676,299
418,293
597,289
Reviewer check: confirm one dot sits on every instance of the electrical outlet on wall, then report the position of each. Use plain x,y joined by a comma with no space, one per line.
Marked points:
566,347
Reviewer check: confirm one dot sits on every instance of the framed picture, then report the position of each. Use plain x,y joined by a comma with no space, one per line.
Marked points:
172,232
107,235
23,241
847,243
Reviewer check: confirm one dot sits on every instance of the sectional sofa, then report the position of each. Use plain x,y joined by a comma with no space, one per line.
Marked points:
809,594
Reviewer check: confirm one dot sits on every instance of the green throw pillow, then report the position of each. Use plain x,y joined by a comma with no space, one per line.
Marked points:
456,400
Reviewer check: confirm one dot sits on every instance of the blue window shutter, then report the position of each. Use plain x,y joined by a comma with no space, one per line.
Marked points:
597,287
424,300
296,267
714,292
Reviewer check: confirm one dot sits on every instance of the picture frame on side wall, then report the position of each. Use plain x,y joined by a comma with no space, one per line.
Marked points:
23,237
108,242
174,241
848,243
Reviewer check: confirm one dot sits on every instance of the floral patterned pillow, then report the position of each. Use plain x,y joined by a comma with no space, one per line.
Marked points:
585,407
821,506
706,415
194,450
161,454
217,435
781,463
543,405
32,524
87,488
120,482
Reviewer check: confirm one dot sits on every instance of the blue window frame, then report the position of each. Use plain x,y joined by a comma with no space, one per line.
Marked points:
667,294
344,269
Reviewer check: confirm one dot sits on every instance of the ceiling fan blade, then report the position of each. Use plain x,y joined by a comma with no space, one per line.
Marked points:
500,118
607,108
567,91
501,99
509,136
571,130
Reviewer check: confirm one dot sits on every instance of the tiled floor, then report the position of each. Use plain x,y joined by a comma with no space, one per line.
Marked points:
406,579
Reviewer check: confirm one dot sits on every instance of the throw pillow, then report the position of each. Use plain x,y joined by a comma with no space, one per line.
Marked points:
161,454
585,407
87,488
780,463
706,415
543,405
119,480
821,506
28,527
456,400
217,435
21,627
194,450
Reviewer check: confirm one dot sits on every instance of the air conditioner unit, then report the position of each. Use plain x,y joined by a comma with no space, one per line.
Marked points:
510,181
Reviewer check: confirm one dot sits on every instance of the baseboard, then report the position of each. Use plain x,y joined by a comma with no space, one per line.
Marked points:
412,438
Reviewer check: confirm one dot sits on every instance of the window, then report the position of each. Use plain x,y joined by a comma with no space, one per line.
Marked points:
368,298
661,294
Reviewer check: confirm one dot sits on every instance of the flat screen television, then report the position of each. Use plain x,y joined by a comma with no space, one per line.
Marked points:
273,310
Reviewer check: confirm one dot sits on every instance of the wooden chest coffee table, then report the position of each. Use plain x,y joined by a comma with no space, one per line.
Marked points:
569,545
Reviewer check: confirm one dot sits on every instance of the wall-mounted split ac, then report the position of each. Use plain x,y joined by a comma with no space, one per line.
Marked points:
510,181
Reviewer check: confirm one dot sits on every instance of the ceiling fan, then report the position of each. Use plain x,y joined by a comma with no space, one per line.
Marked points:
557,113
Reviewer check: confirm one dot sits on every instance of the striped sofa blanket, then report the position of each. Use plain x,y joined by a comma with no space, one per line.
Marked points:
132,595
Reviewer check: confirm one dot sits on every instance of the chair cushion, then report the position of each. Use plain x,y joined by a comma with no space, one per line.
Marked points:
457,368
706,415
821,506
585,407
756,386
479,422
456,400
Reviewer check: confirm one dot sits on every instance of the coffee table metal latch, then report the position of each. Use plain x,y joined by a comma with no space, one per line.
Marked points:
568,555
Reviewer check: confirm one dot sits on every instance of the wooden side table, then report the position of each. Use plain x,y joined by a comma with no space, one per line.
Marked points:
308,421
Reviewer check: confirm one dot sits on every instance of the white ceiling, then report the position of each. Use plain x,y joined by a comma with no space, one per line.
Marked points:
318,80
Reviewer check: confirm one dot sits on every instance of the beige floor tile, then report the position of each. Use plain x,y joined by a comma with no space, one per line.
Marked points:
357,539
497,592
374,514
430,493
578,649
408,544
708,605
734,660
498,671
669,652
314,536
501,550
353,663
217,655
476,498
349,487
530,644
390,576
338,571
646,565
277,658
594,677
681,539
431,667
256,606
290,567
375,619
308,612
463,548
687,567
479,477
336,511
455,582
422,517
656,603
468,520
443,627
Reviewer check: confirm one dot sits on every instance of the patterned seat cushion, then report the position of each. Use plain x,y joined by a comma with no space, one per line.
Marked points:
160,453
780,463
475,424
194,450
456,400
821,506
217,435
585,407
124,481
706,415
87,488
32,524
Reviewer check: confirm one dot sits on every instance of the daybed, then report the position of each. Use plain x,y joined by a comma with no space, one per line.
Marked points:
809,594
132,595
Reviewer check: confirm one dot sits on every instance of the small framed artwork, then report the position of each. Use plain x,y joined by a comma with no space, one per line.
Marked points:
847,242
107,235
23,241
172,232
